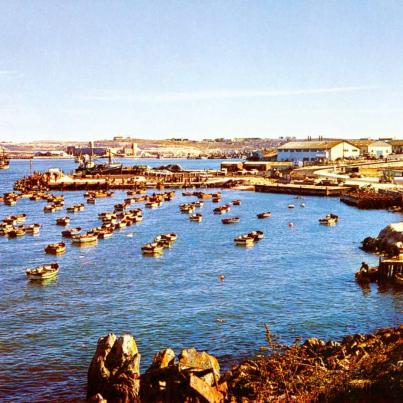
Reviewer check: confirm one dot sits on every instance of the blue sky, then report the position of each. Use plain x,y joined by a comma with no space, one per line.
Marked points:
81,69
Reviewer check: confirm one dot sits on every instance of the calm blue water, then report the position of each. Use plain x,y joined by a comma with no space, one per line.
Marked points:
299,280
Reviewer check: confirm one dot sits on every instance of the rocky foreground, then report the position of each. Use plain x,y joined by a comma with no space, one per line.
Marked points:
360,368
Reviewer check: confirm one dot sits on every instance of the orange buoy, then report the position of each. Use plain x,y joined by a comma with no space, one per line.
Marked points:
222,277
290,225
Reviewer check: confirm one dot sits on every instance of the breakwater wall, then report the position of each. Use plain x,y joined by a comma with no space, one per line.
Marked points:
303,190
373,200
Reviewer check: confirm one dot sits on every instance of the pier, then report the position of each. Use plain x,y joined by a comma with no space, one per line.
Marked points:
365,199
389,268
303,190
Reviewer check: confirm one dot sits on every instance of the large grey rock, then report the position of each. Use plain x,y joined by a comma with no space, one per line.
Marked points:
115,369
392,234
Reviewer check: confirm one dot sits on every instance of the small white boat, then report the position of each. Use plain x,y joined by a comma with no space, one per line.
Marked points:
84,239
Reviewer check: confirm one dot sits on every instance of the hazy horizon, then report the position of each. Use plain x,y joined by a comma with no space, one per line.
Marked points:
80,71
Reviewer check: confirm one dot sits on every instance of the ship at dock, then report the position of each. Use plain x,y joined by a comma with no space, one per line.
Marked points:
87,166
4,161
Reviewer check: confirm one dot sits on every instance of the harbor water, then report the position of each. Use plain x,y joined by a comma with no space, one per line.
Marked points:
299,280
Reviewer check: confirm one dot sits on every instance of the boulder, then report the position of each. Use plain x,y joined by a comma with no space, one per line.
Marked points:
204,364
193,379
392,233
389,241
115,369
162,359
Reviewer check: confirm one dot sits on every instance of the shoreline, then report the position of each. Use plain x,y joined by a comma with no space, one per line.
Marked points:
363,367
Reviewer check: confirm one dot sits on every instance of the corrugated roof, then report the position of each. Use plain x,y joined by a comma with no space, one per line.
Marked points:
379,144
321,145
396,142
361,143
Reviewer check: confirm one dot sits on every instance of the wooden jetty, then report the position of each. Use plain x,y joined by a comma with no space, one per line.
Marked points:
389,268
301,189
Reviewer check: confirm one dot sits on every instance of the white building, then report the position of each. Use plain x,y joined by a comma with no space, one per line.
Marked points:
325,150
379,149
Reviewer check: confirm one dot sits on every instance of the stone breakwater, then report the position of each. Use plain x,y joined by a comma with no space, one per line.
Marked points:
359,367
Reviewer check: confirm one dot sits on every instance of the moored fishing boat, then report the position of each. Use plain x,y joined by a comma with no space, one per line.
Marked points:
33,229
329,219
152,249
236,202
105,233
17,232
11,220
5,229
256,235
204,196
222,209
244,240
20,217
196,217
49,208
187,208
63,221
291,205
163,241
398,278
84,239
43,272
265,214
120,225
230,220
91,200
55,248
152,204
71,232
10,202
75,208
170,236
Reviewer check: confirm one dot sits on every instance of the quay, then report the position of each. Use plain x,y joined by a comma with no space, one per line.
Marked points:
302,189
365,199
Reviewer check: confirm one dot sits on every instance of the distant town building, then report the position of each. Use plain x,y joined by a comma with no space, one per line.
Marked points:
373,148
397,146
362,144
74,150
325,150
379,149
